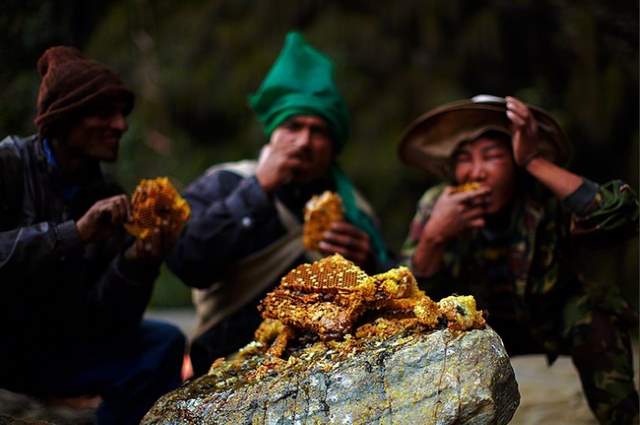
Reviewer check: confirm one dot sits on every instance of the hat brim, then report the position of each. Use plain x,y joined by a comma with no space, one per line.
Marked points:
431,139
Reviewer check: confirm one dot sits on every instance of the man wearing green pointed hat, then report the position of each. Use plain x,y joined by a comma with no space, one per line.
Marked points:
516,236
246,226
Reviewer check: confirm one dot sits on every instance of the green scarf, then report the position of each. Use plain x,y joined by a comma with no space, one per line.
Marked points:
356,216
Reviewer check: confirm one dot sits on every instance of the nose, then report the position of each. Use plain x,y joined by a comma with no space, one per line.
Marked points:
303,139
119,122
478,172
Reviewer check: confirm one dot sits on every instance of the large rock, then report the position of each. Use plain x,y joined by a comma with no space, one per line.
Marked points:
433,378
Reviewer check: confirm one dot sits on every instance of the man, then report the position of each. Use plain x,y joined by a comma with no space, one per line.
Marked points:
73,286
246,226
512,240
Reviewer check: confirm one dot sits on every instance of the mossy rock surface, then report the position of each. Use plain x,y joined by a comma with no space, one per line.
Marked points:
422,378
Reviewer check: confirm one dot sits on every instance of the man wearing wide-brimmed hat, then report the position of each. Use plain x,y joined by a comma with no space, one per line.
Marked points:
503,227
246,229
73,286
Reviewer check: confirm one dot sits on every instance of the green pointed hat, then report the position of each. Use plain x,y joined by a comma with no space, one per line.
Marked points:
300,82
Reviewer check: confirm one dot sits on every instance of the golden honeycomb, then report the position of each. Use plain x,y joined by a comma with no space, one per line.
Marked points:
331,275
466,187
155,204
427,312
331,297
320,212
461,313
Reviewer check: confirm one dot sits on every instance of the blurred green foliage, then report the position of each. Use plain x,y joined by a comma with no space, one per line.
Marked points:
193,63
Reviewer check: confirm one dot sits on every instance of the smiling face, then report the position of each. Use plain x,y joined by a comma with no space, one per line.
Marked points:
488,160
311,135
96,135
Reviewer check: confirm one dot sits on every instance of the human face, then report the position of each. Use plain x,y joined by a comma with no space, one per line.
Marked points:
97,133
489,162
310,134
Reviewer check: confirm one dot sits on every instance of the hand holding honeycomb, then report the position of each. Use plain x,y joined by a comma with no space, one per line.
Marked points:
155,204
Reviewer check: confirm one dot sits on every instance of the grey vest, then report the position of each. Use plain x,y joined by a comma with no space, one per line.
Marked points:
251,275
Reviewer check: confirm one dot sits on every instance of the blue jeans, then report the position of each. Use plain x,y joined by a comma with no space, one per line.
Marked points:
130,371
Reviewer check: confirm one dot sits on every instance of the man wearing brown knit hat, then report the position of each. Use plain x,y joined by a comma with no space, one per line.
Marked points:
73,286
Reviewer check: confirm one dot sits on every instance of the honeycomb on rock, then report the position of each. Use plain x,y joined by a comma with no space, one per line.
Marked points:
325,297
332,306
320,212
155,204
461,312
328,298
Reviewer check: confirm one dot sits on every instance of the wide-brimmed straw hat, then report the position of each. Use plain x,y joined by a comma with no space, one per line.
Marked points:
430,140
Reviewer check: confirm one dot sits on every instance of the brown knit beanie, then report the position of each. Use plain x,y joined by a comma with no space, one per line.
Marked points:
71,82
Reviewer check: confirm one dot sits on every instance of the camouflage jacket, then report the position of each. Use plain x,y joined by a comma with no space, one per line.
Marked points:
526,272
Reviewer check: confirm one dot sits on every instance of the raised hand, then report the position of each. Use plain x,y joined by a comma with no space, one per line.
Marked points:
455,213
277,164
156,247
525,131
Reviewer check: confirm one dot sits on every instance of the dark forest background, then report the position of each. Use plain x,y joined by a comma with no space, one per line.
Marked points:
193,63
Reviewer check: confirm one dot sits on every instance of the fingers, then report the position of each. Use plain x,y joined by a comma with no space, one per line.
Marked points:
515,119
150,247
351,242
328,248
348,229
347,240
285,147
519,113
478,223
471,214
516,105
119,208
114,210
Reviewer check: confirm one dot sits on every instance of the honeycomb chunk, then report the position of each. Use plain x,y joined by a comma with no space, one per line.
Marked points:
155,204
320,212
466,187
461,313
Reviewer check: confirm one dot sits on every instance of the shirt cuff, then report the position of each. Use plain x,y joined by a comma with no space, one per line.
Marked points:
67,236
580,201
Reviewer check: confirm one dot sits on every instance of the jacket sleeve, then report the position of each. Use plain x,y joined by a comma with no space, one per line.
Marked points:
596,209
122,293
420,218
438,284
227,211
23,249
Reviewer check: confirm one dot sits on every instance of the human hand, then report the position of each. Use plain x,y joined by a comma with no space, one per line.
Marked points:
277,164
155,247
347,240
525,131
455,213
103,218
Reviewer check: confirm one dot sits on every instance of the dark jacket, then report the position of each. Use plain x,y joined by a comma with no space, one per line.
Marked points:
53,288
234,219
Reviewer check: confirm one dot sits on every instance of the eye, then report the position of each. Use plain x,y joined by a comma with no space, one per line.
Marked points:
292,125
320,131
495,154
462,157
